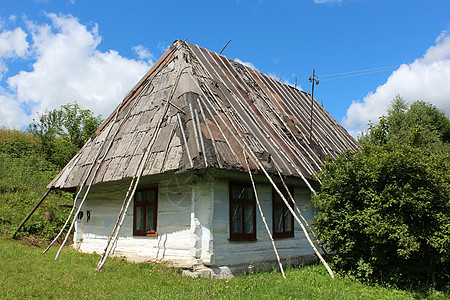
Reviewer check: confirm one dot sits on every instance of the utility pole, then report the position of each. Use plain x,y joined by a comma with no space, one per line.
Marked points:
314,80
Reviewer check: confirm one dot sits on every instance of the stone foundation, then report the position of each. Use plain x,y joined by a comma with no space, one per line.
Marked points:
227,272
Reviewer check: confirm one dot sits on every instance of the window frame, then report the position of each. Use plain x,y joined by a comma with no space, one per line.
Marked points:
284,233
242,236
144,205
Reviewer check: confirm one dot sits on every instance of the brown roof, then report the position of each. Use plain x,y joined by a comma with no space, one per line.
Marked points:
197,109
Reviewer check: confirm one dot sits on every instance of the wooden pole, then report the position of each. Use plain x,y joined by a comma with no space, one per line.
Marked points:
146,84
300,213
297,219
314,81
94,162
262,216
260,166
225,46
64,226
32,212
137,176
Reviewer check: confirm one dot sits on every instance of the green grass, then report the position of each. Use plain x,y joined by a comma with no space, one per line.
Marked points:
26,273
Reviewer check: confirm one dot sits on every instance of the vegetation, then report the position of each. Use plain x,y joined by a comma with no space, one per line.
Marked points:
385,210
63,132
29,161
24,174
26,273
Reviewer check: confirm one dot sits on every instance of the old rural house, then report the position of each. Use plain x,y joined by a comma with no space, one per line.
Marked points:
165,178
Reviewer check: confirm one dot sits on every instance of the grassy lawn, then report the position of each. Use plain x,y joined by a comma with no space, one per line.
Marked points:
26,273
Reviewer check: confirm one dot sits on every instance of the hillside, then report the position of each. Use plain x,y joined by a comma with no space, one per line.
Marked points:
24,175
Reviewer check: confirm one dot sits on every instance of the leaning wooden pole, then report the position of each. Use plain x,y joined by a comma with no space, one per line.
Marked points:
32,212
63,227
263,218
258,163
300,213
122,214
298,220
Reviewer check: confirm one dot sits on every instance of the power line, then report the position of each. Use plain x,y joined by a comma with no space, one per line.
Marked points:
360,71
357,73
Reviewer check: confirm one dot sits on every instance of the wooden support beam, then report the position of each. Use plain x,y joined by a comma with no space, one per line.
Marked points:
112,240
32,212
263,218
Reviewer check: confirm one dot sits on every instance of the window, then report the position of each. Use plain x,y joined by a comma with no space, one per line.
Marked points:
283,222
145,212
242,213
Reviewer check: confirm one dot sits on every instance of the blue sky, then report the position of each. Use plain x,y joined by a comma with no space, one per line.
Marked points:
54,52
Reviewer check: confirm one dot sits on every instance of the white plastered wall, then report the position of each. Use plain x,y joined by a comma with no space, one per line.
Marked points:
229,253
193,222
183,227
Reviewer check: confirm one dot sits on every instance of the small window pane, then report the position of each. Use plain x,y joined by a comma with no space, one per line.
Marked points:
149,219
139,197
237,219
150,196
288,220
278,198
248,218
139,215
242,192
278,218
147,196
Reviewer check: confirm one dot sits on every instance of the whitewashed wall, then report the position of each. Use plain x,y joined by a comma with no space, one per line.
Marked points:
241,252
179,230
193,222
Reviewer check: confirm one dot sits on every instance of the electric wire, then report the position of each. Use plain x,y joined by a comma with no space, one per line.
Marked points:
357,73
360,71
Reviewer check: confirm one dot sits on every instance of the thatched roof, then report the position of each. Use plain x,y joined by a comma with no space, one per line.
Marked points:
197,109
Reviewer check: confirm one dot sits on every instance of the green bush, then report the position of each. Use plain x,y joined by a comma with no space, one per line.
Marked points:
28,162
24,174
385,210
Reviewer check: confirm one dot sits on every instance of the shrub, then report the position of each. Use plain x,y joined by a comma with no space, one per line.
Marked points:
24,174
385,210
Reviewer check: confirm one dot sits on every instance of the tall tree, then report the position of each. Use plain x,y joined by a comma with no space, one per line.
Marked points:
64,131
420,125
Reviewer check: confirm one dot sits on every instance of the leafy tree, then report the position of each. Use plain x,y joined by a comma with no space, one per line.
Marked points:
420,125
385,210
63,132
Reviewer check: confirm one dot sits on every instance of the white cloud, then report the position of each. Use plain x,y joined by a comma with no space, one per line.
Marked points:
163,46
143,53
10,110
284,80
66,66
427,79
245,63
13,44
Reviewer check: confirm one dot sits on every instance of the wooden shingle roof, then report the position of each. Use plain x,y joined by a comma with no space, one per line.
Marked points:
197,109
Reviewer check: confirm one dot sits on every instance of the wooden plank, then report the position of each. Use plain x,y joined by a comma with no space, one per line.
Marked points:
173,159
191,140
163,138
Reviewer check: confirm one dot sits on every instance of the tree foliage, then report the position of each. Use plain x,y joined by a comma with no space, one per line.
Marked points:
24,175
63,132
28,162
385,210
